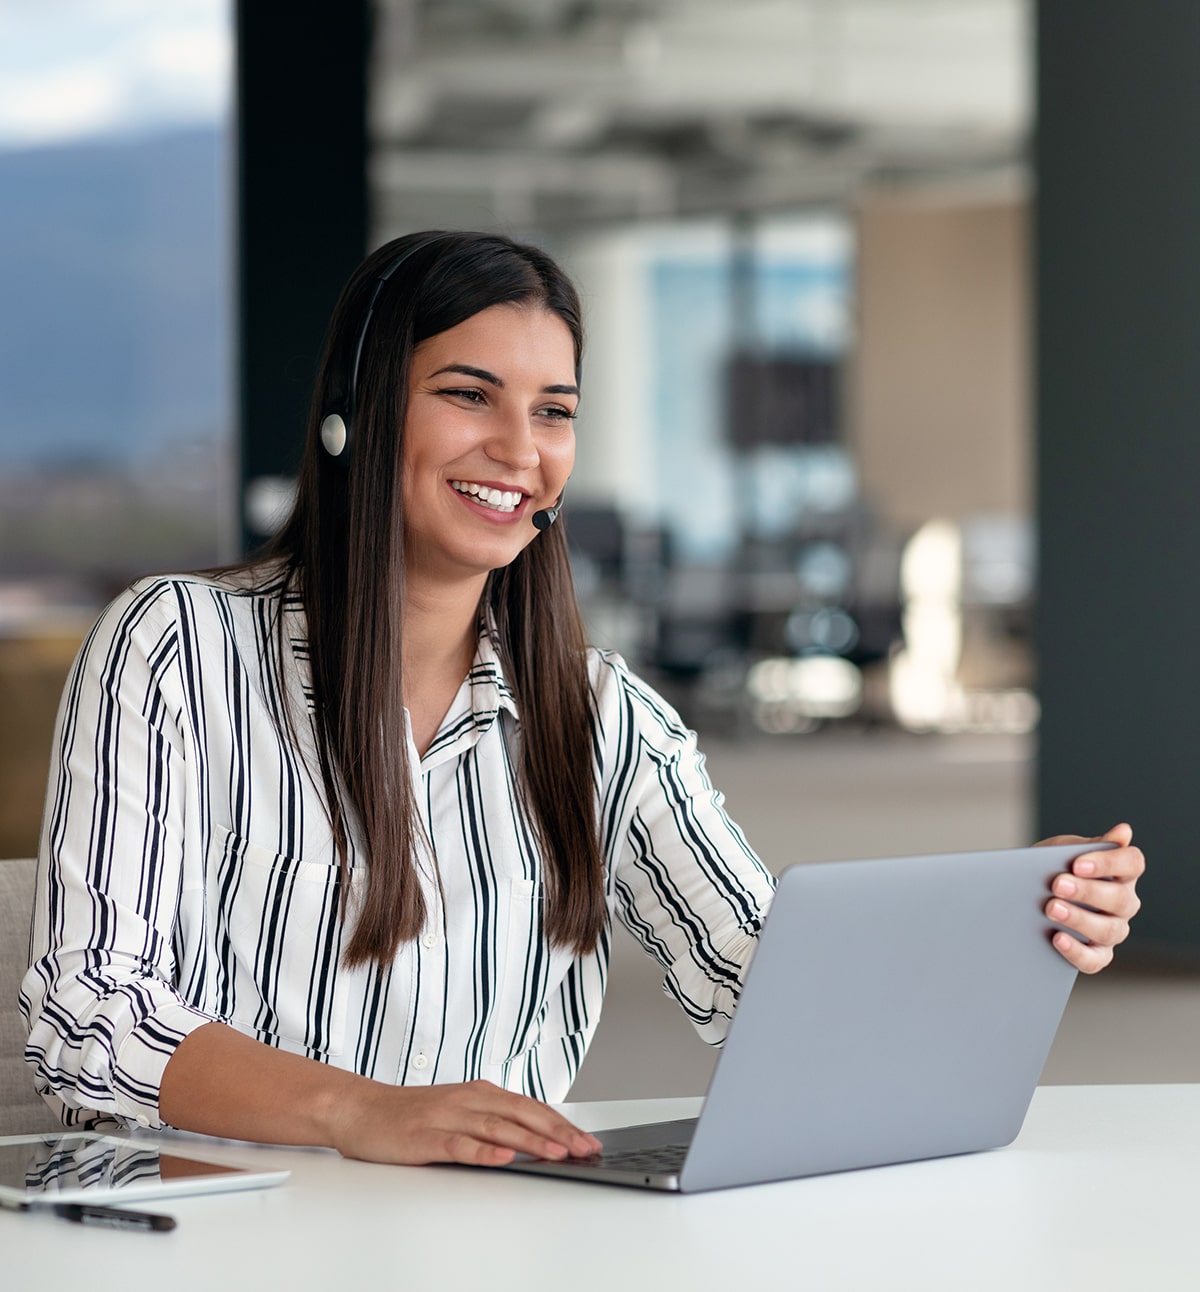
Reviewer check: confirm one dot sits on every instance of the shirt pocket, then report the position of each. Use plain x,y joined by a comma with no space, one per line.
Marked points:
277,941
529,973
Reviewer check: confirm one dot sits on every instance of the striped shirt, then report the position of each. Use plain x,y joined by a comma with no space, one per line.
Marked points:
187,871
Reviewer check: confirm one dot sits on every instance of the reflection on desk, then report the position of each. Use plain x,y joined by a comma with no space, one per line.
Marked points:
1098,1191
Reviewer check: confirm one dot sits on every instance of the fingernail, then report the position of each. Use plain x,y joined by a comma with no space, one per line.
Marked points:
1084,868
1058,911
1065,886
556,1151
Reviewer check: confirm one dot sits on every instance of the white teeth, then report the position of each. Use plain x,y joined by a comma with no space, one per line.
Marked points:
498,499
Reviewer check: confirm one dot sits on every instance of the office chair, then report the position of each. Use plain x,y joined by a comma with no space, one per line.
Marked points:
22,1110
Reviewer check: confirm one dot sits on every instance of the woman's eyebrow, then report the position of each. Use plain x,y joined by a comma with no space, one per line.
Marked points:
466,370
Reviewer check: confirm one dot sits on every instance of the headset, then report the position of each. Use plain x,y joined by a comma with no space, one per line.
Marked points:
337,425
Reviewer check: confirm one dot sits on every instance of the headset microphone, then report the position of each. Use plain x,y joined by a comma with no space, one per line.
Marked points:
548,515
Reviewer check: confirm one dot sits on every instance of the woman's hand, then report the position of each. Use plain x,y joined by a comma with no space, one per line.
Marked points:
282,1098
476,1123
1107,883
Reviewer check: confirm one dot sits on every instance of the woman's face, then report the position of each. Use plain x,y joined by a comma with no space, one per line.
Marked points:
488,438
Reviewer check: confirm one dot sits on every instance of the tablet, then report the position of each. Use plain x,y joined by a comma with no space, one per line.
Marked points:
86,1166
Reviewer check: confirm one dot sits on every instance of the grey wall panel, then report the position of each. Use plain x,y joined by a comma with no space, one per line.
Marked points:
1118,411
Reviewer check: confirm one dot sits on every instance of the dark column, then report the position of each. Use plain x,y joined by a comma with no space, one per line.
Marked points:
301,206
1118,290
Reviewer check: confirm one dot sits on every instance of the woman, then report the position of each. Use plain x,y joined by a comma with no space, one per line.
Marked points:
333,839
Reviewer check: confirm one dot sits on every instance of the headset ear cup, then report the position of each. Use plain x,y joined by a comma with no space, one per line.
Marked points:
334,434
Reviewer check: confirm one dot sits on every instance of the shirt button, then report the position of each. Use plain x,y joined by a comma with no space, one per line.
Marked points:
142,1119
420,1061
429,941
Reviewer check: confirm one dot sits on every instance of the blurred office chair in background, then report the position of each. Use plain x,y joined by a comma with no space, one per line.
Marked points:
21,1108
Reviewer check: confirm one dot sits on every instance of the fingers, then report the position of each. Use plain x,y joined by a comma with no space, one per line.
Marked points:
1097,898
1087,959
523,1125
540,1119
1113,863
1103,896
1099,929
468,1151
1121,834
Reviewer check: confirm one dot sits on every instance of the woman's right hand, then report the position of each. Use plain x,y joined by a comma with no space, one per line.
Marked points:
282,1098
476,1123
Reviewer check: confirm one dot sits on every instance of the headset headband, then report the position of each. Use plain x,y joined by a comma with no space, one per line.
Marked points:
336,426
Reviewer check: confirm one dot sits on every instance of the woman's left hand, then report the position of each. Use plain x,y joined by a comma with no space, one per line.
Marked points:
1107,883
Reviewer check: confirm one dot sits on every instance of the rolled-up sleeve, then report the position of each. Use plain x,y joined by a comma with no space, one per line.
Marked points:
684,880
103,1012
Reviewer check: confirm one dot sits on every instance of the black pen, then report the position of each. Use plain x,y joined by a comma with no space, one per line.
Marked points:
83,1213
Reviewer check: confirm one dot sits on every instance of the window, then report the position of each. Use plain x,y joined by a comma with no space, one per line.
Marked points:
115,352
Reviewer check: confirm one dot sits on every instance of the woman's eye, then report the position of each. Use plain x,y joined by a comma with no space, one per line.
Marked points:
472,394
556,413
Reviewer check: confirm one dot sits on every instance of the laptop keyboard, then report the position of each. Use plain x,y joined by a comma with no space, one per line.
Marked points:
664,1159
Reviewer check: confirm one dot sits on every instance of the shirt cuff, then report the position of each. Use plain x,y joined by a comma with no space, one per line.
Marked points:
713,1025
142,1058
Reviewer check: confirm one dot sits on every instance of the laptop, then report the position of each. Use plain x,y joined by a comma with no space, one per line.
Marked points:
895,1010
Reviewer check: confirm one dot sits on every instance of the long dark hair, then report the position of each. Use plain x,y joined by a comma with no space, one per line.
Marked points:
343,552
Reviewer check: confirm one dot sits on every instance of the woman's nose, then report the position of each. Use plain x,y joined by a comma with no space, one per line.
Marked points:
512,442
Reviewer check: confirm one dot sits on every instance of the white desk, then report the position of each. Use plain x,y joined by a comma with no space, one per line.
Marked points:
1100,1191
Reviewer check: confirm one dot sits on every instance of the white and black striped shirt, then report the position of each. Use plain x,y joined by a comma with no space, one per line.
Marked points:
187,871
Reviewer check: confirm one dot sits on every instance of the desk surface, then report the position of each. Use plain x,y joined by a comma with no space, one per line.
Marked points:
1098,1192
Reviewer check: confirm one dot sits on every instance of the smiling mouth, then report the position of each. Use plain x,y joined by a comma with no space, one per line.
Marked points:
503,500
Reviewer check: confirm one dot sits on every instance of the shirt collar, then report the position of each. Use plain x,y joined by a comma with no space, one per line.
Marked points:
295,633
483,696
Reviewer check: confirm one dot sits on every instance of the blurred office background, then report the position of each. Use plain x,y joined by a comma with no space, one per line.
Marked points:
816,475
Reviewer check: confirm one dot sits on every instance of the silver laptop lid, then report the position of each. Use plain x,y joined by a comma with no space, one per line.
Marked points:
895,1009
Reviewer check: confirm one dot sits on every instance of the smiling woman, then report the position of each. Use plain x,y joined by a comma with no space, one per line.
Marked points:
370,803
354,819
